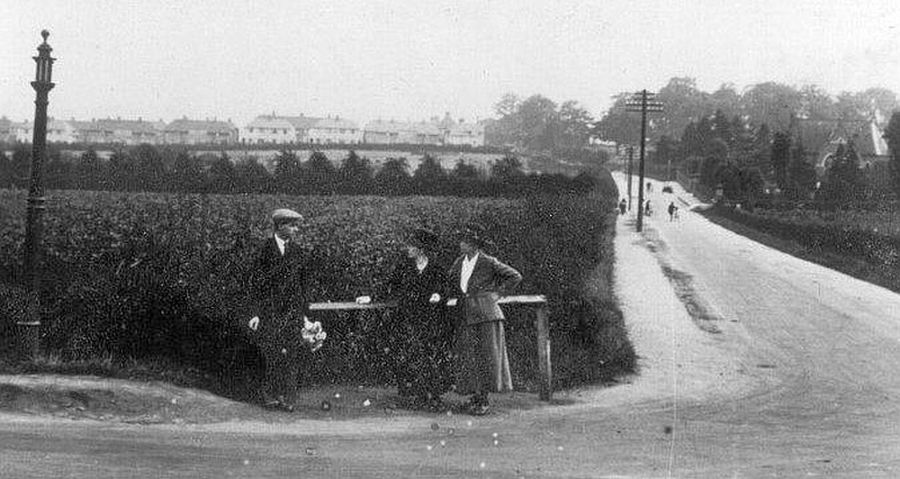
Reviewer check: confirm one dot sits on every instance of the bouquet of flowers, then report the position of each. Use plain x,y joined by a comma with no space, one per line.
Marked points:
313,334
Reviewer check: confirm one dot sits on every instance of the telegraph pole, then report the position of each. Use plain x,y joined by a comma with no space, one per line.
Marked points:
642,102
630,157
42,84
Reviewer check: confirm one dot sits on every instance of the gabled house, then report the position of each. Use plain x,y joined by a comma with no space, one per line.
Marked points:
269,129
333,130
200,132
125,132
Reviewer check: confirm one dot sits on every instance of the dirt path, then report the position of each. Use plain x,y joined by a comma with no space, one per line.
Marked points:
753,364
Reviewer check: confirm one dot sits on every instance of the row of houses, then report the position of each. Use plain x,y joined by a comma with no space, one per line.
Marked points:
264,129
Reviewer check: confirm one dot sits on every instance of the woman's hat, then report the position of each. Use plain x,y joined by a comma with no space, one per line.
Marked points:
423,239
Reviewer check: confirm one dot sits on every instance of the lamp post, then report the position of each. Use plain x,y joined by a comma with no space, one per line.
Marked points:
42,85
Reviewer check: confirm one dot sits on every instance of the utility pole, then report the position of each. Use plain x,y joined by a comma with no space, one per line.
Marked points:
642,102
630,157
42,84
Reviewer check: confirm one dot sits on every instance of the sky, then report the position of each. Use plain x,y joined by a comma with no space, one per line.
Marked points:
415,59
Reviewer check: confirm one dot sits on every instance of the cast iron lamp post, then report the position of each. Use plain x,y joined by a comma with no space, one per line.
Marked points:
42,85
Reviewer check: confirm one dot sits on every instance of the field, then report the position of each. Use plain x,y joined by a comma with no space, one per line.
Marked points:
145,276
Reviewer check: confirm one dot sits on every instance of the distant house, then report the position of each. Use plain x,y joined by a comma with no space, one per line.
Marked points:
444,132
125,132
269,129
822,139
7,134
469,134
61,131
22,132
200,132
333,130
381,132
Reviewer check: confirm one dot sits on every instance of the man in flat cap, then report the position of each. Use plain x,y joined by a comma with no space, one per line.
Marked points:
279,298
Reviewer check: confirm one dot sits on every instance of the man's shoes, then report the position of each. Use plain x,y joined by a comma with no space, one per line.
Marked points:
477,405
479,409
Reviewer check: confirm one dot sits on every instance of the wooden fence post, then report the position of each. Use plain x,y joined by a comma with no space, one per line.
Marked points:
542,325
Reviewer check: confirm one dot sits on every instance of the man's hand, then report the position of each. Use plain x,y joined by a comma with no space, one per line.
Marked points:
435,298
254,323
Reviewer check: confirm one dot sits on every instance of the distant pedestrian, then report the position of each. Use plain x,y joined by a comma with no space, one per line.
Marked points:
649,187
622,206
673,211
647,209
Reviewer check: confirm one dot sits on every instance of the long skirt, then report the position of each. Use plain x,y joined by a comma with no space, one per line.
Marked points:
483,364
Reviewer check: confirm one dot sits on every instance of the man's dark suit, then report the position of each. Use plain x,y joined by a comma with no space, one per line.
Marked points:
279,294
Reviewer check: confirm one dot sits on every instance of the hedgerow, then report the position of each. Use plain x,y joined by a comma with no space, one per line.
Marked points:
148,275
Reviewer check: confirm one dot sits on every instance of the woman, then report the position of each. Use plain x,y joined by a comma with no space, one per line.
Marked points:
419,333
479,280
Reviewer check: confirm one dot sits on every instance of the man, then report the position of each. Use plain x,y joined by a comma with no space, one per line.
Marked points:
279,298
479,279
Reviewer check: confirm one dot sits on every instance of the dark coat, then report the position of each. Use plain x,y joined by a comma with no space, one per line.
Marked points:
418,334
489,280
279,285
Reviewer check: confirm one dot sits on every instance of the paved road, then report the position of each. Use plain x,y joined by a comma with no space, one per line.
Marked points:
775,368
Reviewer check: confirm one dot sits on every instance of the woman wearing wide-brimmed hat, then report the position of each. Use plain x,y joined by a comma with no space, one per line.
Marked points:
418,333
478,280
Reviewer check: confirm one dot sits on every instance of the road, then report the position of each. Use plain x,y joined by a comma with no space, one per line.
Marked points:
753,364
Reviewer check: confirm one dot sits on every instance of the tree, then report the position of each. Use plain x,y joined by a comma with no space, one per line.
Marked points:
59,171
20,167
186,176
253,176
5,171
393,178
801,175
892,136
222,177
574,129
781,152
843,180
507,169
429,177
149,171
355,175
319,174
288,174
772,103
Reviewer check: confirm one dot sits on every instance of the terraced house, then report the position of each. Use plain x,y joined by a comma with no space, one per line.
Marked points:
300,129
200,132
118,131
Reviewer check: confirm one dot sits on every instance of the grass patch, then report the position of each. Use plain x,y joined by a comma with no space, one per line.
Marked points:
812,243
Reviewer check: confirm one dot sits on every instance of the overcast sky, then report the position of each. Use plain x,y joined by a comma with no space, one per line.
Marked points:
413,59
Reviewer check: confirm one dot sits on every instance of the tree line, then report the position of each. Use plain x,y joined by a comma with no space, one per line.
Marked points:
153,169
751,142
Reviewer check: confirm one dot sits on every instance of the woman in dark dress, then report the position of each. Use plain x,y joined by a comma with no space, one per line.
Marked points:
419,339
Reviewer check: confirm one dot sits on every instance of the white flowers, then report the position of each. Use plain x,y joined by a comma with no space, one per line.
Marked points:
313,334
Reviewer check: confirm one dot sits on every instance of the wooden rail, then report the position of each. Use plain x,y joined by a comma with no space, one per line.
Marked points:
541,325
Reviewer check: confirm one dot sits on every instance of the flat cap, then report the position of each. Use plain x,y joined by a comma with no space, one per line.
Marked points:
284,214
